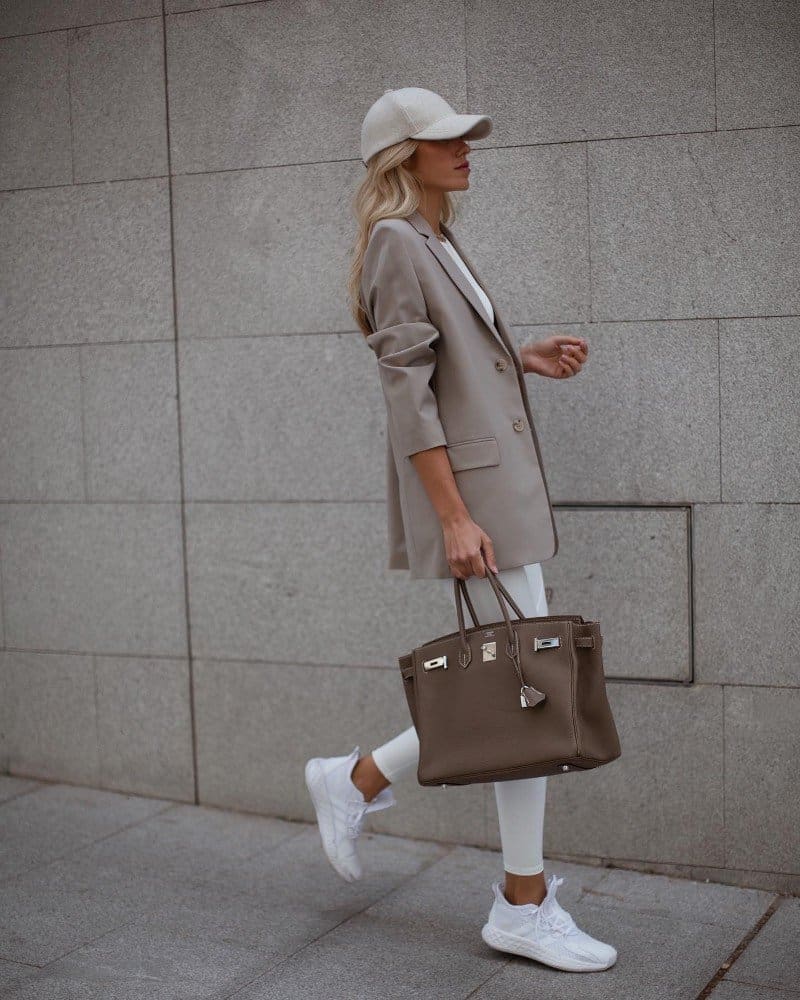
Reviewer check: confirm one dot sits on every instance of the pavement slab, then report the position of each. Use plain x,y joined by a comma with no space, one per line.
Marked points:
109,896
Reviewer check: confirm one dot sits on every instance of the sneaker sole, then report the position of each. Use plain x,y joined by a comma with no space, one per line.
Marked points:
317,789
503,941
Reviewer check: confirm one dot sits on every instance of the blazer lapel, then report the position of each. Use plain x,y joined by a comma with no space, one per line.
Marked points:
420,223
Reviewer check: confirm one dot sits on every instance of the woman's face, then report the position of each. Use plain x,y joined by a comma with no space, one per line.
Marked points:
441,163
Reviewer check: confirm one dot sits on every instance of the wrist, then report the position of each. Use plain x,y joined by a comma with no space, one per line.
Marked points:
453,515
528,358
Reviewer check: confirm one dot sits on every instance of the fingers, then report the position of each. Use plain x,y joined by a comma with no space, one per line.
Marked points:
566,338
477,565
462,568
471,565
488,550
577,351
469,552
571,359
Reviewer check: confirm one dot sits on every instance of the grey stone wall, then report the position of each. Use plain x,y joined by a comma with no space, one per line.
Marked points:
192,529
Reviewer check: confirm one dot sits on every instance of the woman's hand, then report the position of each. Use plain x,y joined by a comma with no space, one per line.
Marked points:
463,541
559,356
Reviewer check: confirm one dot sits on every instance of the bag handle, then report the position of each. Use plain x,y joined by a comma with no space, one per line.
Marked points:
466,653
463,587
544,618
468,599
529,695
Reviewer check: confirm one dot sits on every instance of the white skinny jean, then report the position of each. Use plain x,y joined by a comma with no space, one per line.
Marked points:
520,802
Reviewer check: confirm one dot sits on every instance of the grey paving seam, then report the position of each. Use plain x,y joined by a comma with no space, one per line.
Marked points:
778,991
724,693
719,406
3,628
64,184
179,417
213,881
379,899
75,27
78,947
91,843
84,343
498,971
19,795
620,319
592,890
24,965
82,407
71,35
723,970
587,173
349,159
141,916
622,865
278,843
690,577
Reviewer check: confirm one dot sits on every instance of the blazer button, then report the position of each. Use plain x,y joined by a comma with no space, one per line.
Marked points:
501,364
519,425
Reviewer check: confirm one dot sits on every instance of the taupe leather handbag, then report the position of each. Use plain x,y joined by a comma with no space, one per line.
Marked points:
508,699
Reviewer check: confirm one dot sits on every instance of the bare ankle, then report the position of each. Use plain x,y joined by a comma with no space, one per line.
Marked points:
521,889
367,777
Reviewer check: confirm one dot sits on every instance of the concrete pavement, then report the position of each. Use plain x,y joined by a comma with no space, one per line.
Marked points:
112,896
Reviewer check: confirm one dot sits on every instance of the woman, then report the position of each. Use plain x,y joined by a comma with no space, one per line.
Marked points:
465,483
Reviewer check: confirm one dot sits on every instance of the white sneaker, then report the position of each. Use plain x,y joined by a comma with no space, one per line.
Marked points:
544,932
341,808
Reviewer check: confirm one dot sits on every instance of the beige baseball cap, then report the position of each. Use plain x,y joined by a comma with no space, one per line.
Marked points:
416,113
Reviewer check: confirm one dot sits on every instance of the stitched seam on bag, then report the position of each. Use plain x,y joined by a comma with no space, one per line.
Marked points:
505,770
573,687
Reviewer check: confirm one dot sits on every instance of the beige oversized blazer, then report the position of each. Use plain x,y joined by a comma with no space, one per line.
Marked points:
450,377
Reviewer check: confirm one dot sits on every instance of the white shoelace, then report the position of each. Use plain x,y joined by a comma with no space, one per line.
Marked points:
550,915
355,817
557,923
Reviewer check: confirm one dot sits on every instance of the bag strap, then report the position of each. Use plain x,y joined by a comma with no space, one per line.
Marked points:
470,605
503,590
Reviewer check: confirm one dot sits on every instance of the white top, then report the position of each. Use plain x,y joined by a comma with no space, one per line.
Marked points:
487,305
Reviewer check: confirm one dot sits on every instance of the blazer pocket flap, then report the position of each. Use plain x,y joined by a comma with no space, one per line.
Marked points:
473,454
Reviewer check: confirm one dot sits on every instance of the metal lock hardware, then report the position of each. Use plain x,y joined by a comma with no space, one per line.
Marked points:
546,643
529,696
489,650
437,661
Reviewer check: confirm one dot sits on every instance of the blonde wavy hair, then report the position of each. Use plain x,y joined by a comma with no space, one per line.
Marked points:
390,190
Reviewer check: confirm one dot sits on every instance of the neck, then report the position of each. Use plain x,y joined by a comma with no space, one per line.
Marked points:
431,208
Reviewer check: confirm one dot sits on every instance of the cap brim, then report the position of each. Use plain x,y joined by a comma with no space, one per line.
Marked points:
465,126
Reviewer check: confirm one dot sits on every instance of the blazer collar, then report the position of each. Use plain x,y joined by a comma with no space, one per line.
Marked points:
421,224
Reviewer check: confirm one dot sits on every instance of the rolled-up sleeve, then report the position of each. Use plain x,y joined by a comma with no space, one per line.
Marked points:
404,341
